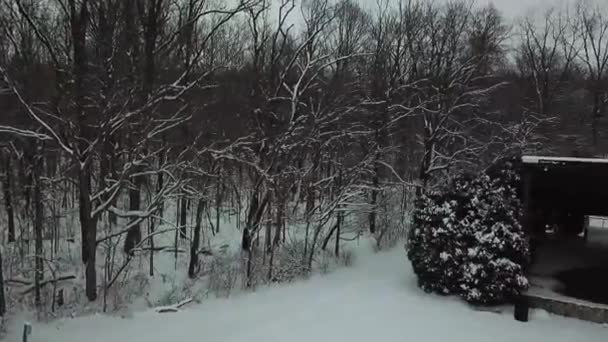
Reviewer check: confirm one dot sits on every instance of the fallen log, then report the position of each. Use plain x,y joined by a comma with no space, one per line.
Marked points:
174,308
48,281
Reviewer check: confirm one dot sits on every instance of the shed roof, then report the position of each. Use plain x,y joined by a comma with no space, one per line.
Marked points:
561,160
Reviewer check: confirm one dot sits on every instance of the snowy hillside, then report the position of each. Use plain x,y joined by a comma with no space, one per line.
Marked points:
377,299
223,170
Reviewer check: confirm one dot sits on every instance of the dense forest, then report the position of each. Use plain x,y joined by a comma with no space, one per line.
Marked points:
125,122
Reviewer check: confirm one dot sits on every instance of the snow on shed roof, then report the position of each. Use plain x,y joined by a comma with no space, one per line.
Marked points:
542,160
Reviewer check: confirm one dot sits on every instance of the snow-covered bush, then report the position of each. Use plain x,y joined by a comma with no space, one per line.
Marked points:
288,264
223,273
467,239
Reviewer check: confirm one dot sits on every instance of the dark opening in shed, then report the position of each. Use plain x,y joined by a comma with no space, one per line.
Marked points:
570,256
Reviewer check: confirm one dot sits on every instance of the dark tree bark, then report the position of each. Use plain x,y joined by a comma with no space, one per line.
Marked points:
38,222
89,234
2,297
277,234
253,223
218,200
194,247
183,217
268,234
161,213
253,208
8,200
340,218
278,224
79,19
151,244
374,196
329,235
150,22
338,227
133,237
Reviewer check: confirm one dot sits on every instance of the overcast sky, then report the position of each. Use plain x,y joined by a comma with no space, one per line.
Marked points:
513,8
510,9
516,8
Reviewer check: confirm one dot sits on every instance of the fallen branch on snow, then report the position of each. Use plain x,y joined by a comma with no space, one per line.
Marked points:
174,308
168,249
49,281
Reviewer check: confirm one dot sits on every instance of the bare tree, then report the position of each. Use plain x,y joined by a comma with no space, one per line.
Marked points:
7,185
451,88
593,26
548,52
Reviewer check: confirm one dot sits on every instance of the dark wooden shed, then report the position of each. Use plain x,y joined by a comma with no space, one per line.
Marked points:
569,270
561,192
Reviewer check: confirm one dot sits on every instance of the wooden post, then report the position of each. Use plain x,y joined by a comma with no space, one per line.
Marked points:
528,218
27,331
522,308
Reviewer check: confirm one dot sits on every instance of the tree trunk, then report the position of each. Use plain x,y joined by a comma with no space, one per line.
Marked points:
26,185
270,264
310,200
38,220
2,297
340,218
404,199
306,240
151,244
161,210
196,240
88,229
107,164
218,201
134,234
328,237
278,224
253,222
177,232
277,236
338,227
374,196
313,245
8,201
423,173
183,217
84,208
250,256
79,19
268,235
253,208
91,271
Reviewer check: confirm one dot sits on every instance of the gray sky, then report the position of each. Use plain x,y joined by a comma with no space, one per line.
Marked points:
510,9
514,8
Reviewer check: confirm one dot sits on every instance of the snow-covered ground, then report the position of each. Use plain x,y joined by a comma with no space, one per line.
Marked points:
563,255
377,299
559,255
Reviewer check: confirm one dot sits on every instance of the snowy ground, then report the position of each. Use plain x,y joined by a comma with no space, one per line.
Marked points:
377,299
565,254
562,255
